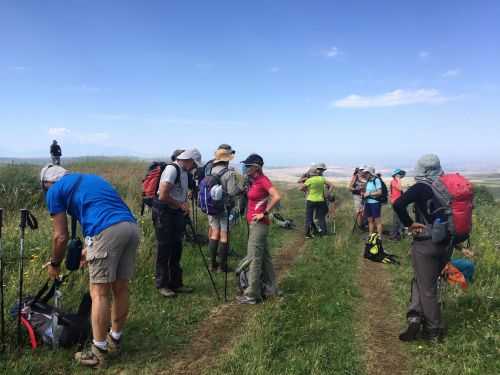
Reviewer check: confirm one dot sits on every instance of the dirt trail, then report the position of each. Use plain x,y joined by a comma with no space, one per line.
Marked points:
219,331
380,322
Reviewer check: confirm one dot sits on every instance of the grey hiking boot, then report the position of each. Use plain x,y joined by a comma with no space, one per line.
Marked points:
114,346
166,292
245,300
93,357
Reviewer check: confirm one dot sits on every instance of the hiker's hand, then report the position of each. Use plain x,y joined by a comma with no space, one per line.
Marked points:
257,217
53,271
83,259
416,228
468,253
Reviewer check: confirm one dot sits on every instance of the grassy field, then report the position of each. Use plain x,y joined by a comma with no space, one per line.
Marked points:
311,330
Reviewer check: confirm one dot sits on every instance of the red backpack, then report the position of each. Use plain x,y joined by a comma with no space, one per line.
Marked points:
455,194
151,182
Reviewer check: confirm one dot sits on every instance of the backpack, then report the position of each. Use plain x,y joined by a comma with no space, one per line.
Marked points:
151,182
375,252
454,195
47,324
385,193
211,193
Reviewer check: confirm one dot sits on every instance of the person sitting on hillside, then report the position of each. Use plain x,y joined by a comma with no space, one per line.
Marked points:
55,153
316,188
373,208
396,190
111,238
262,197
169,218
231,185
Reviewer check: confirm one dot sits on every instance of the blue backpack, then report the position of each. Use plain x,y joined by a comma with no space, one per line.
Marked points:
211,193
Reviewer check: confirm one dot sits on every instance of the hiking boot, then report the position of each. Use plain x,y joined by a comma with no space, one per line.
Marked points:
166,292
411,332
434,335
94,357
114,346
245,300
184,289
309,236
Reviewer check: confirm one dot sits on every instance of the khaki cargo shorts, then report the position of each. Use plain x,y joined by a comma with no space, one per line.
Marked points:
218,222
111,254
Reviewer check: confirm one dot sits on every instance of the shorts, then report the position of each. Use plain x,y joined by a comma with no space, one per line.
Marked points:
218,222
373,210
111,254
357,202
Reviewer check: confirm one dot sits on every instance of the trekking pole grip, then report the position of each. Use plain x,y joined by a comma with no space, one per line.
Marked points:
24,218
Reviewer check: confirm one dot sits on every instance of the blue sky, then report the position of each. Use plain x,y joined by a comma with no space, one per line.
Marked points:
297,81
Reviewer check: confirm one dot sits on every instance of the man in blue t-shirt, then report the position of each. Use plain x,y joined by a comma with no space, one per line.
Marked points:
373,208
111,241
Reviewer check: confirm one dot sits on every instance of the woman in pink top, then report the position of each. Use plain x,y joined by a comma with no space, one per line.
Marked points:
262,197
396,192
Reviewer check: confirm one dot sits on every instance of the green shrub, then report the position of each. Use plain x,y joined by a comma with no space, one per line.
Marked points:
483,196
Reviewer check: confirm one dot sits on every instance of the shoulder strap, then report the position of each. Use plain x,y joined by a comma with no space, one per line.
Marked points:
74,222
178,172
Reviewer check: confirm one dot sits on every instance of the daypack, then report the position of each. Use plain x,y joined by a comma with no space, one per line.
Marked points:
454,196
282,222
211,193
385,193
151,182
48,324
375,252
242,279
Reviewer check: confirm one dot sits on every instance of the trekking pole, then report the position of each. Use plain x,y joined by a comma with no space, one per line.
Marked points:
2,309
190,224
227,256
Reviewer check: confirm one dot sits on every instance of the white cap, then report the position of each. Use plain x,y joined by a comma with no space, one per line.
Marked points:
52,173
193,154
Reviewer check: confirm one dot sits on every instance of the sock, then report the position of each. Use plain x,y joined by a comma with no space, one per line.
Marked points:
103,345
115,335
212,250
223,251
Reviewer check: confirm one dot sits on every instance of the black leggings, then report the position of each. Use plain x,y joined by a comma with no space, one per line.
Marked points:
318,211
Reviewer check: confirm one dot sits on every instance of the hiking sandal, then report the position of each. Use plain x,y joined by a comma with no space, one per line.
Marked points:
93,357
114,346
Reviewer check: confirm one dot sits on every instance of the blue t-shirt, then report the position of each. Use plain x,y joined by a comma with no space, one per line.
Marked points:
95,203
371,187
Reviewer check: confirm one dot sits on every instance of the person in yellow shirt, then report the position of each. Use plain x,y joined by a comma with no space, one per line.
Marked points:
316,188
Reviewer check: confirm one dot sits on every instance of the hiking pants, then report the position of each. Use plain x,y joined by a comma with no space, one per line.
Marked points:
318,211
56,160
427,260
397,226
169,229
261,266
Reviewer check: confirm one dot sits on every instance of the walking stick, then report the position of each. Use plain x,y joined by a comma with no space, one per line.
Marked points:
2,309
190,224
27,219
227,256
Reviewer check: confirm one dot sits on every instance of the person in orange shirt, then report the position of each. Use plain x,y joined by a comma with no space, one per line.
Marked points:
395,192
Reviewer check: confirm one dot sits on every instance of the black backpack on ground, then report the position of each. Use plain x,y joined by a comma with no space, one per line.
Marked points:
375,252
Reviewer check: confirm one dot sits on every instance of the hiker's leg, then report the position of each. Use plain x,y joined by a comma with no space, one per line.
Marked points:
256,246
174,264
100,315
213,243
379,225
321,211
309,217
371,225
426,262
223,243
163,247
119,307
269,276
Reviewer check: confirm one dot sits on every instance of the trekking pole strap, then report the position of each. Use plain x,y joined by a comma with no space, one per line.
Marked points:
28,219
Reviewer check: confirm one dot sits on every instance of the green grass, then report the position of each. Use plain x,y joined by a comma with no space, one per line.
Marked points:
311,330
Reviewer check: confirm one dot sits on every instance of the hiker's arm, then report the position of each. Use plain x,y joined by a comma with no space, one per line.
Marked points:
60,238
351,184
164,196
402,203
275,198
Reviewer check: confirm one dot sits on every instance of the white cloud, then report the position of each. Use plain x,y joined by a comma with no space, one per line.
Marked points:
275,69
331,52
18,68
424,55
58,132
392,99
451,73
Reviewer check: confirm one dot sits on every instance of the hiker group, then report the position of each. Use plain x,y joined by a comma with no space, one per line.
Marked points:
174,191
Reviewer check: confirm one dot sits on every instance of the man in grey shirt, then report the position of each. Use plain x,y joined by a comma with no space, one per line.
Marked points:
232,185
169,219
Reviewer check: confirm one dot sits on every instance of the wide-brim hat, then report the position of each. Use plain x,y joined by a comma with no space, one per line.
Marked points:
224,155
192,154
